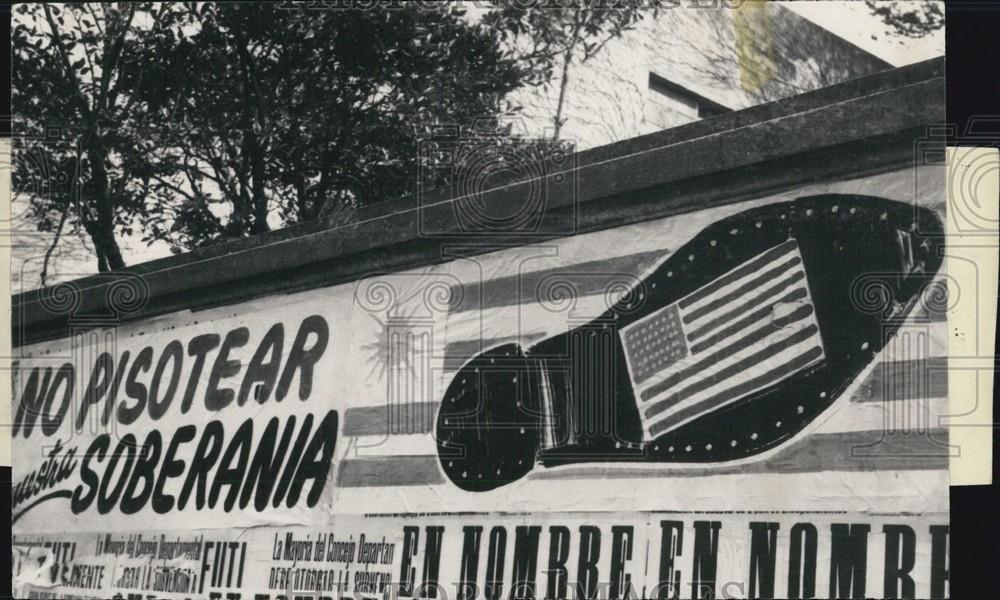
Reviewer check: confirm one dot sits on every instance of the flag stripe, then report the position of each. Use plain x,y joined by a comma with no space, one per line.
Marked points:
739,329
584,278
390,471
815,454
417,417
906,379
739,272
743,343
792,296
724,374
382,446
870,450
458,353
746,387
744,289
502,291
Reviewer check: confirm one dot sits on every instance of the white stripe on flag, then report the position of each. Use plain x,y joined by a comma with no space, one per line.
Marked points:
747,330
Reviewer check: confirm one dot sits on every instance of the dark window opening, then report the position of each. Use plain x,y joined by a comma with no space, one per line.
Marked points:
705,106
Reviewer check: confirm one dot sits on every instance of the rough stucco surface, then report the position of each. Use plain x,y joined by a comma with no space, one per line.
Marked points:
762,53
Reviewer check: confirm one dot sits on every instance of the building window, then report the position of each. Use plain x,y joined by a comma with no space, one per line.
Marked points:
685,100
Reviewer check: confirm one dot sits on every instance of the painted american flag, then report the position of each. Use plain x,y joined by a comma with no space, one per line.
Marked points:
741,333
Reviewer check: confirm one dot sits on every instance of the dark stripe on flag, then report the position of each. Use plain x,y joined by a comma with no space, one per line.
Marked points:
586,278
873,451
792,296
375,420
917,379
745,289
865,451
742,271
457,353
389,471
746,341
466,349
736,391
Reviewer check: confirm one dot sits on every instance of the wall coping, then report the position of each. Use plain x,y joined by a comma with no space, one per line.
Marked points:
858,127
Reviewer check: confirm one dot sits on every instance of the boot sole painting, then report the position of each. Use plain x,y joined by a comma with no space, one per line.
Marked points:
725,350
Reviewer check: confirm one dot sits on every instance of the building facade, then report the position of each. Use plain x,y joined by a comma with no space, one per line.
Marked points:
686,63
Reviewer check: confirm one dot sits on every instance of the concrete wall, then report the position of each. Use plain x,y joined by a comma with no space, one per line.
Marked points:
856,129
735,57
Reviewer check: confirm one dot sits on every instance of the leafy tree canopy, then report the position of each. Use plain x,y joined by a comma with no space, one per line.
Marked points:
908,18
193,123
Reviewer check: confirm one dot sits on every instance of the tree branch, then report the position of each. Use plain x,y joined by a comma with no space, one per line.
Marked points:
52,246
70,73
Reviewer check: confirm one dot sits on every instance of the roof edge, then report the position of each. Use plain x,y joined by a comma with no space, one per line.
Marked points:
862,125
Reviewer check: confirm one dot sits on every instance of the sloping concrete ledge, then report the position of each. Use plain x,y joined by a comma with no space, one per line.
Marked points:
865,126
